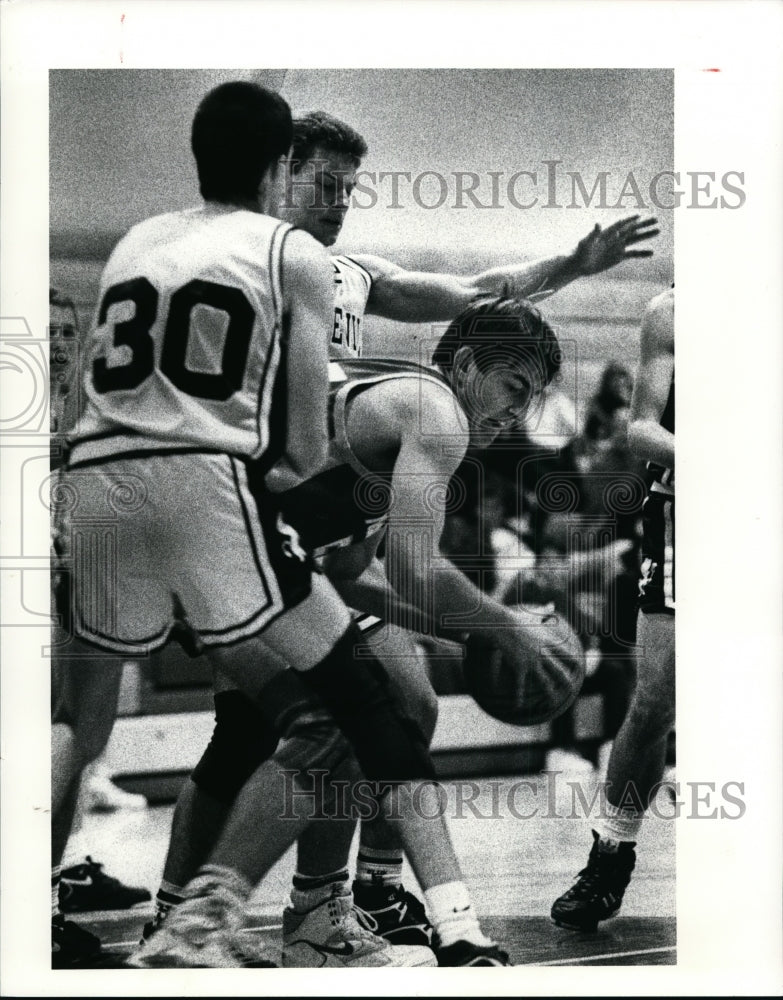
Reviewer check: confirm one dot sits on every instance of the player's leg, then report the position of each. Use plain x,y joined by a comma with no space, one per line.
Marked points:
240,743
265,600
323,847
85,688
638,759
378,890
636,766
636,762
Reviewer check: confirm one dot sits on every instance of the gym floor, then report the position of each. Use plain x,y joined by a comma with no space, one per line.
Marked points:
514,868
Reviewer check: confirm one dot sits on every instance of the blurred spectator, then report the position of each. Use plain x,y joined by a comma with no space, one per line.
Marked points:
613,394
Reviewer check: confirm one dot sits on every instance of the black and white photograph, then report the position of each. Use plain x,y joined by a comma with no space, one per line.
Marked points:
341,528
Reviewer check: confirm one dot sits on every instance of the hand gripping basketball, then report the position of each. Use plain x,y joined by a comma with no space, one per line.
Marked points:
535,678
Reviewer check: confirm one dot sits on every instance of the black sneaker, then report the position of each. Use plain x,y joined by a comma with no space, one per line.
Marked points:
393,913
72,946
87,887
150,928
598,892
462,954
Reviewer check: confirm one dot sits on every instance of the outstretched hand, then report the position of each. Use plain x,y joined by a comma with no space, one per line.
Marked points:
603,248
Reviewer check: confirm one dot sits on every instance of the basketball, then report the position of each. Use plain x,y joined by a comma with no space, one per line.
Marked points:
541,692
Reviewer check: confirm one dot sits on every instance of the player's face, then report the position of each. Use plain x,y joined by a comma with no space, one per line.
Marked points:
494,398
319,195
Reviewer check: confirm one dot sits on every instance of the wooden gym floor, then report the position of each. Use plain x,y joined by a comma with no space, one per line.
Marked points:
514,868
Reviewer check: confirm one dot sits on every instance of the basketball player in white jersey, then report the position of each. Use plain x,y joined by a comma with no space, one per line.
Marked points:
638,756
325,157
209,351
493,359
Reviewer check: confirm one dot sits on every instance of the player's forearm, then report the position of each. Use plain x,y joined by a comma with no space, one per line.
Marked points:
648,440
377,597
547,274
307,441
444,596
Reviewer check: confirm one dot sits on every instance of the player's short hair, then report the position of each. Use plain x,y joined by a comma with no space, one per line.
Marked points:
319,130
239,130
503,332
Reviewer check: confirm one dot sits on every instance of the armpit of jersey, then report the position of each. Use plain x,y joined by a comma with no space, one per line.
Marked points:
337,507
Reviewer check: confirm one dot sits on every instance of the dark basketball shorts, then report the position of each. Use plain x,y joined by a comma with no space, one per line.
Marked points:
656,586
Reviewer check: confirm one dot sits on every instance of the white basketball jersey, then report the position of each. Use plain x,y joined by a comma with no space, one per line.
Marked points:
352,286
185,346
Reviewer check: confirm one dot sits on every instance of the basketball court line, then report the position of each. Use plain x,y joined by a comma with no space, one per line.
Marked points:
608,954
247,930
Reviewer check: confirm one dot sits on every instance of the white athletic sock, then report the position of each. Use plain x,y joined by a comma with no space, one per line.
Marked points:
310,891
452,914
617,825
56,871
379,867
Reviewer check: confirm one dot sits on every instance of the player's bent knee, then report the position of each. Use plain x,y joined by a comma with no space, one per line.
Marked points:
243,738
388,744
426,715
313,741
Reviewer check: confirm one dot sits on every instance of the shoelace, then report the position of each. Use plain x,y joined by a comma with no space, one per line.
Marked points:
360,924
588,881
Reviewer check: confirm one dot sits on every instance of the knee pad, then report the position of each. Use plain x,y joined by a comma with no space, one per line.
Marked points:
388,744
243,738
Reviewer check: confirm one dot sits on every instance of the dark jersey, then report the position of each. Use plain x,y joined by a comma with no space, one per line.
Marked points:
656,587
663,477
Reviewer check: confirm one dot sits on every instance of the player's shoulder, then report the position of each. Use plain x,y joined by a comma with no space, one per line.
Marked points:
658,320
421,400
306,266
152,232
164,223
302,255
661,308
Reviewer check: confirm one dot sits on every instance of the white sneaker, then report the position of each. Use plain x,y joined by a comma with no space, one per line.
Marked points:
332,935
204,931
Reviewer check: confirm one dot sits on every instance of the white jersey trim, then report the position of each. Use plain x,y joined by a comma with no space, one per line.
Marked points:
341,444
265,392
356,266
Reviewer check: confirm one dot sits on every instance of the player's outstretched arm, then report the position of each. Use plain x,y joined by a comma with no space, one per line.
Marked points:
420,297
308,294
646,437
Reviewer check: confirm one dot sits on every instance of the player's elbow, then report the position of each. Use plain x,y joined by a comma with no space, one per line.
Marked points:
309,456
639,436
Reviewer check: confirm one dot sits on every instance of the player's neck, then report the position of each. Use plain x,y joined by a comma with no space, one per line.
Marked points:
245,205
